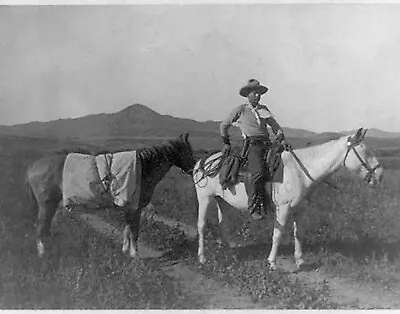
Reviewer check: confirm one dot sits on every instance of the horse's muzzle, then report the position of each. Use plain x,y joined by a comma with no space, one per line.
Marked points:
375,176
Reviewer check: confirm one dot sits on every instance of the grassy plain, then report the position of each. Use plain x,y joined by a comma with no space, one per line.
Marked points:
83,269
352,232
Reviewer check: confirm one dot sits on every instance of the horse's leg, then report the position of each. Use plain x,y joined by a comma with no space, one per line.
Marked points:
126,236
204,201
43,223
279,227
135,230
224,236
298,252
131,232
39,225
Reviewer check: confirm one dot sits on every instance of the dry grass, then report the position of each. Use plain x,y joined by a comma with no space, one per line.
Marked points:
81,270
353,232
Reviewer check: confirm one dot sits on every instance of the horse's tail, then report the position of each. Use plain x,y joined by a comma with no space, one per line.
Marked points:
30,197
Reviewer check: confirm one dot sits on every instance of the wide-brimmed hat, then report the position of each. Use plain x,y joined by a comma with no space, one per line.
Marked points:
252,85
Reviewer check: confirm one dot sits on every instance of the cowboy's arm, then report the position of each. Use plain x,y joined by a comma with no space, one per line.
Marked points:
227,123
276,128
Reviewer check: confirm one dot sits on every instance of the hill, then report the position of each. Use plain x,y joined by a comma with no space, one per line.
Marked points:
376,133
134,121
141,125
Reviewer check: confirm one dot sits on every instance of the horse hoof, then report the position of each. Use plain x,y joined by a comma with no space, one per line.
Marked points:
125,248
202,259
40,248
272,266
299,263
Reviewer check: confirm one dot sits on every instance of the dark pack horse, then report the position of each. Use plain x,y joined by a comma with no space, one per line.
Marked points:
44,180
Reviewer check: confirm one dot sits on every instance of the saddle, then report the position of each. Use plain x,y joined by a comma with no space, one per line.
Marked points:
234,166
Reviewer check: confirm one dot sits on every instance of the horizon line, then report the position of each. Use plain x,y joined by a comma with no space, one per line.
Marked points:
201,121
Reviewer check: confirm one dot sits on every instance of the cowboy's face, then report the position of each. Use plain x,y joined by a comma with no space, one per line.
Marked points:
254,97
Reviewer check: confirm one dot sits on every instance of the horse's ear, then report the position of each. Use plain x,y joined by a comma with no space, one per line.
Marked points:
359,136
186,137
359,132
365,132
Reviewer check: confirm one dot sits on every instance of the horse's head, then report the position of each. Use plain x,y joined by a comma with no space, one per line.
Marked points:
360,159
184,158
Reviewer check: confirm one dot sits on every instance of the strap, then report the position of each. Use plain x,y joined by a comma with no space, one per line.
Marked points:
108,176
307,173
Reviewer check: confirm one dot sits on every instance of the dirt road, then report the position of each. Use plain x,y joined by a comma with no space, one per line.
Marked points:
342,291
218,296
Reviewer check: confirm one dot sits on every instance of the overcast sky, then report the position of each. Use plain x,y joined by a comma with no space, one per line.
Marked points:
329,67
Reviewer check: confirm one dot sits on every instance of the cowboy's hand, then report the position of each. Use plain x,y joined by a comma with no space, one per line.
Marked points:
286,145
226,149
280,137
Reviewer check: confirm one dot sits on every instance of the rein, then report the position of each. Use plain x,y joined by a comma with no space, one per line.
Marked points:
351,143
351,146
308,173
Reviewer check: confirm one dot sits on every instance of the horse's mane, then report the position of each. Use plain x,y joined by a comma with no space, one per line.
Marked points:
163,150
154,155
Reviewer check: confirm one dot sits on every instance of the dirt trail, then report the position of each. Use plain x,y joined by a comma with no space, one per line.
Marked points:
217,295
345,291
342,291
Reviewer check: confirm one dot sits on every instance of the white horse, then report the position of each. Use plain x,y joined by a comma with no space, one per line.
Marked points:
303,170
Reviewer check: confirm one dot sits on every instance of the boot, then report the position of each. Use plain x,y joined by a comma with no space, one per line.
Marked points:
256,209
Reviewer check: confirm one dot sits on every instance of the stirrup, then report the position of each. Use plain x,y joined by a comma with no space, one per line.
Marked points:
256,216
257,212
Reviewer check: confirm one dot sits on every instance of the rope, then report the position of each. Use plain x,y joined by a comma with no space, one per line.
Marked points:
206,168
108,176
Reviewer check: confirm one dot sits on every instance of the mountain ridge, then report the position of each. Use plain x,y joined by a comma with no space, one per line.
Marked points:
138,120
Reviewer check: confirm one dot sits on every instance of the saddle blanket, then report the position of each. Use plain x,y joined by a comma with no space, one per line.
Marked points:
102,180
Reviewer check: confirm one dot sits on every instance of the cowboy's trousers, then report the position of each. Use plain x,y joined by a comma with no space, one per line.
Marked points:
259,175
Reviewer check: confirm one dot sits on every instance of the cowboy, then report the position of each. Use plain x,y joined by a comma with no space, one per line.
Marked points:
253,118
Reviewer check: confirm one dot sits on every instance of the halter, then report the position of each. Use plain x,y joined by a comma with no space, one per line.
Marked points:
370,171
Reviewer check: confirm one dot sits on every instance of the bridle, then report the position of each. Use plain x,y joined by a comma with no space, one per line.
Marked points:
351,144
370,171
